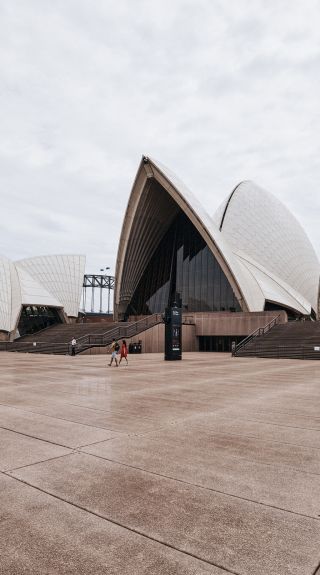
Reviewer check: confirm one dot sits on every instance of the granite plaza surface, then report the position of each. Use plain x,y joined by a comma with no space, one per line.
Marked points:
206,466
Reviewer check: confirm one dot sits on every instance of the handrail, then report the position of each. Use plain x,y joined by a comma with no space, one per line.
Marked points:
256,333
288,350
128,330
89,340
124,330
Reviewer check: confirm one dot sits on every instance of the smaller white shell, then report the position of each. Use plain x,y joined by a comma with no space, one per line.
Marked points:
54,281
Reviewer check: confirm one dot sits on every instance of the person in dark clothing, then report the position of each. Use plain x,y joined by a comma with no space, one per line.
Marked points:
73,346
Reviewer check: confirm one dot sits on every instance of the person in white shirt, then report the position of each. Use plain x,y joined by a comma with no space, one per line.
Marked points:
73,346
114,348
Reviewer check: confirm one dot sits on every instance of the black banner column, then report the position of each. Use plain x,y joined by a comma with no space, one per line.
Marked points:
173,332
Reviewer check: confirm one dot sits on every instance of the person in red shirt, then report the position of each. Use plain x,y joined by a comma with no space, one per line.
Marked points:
123,351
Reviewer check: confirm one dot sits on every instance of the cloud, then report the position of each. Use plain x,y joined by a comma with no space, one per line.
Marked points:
218,91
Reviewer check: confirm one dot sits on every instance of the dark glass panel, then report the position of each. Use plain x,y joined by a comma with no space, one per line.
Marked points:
185,274
183,262
210,286
204,279
292,314
218,343
216,286
34,318
180,269
197,278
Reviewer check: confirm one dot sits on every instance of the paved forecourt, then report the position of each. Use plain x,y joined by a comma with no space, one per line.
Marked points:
210,465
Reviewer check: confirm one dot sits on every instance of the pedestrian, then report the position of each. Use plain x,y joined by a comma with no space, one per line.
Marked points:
73,346
123,351
114,348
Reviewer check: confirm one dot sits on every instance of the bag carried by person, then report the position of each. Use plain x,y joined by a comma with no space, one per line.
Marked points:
116,347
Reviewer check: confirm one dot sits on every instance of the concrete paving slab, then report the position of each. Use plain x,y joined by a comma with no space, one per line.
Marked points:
253,449
17,450
281,487
282,418
212,526
94,417
264,431
292,406
165,412
64,433
274,453
41,535
162,409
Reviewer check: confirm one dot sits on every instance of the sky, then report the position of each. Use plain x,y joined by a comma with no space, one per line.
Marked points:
219,91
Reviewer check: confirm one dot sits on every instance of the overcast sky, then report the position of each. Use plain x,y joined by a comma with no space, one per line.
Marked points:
219,91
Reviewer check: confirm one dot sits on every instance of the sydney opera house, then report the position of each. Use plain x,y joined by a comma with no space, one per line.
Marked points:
38,292
233,270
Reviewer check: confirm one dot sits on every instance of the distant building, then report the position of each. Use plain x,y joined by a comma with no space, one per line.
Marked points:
38,292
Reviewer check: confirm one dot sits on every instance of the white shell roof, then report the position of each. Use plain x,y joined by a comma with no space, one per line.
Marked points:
10,295
265,250
54,281
61,276
249,290
33,293
259,226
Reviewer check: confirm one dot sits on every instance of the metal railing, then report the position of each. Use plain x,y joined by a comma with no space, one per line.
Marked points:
127,330
123,331
256,333
119,332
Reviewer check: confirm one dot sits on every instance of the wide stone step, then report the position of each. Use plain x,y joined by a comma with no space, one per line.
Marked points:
290,340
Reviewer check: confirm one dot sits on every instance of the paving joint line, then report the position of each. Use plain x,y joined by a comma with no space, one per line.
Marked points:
113,412
63,418
295,413
94,443
317,570
197,485
114,522
279,424
8,471
255,437
37,438
274,465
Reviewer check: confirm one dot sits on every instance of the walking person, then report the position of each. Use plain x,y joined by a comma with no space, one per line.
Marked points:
114,347
123,351
73,346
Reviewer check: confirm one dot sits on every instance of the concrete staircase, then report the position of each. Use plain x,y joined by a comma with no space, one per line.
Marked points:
64,332
294,340
56,339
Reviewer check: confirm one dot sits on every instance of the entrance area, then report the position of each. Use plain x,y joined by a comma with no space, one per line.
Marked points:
35,318
218,343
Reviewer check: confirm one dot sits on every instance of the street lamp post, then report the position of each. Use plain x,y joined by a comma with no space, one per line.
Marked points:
104,275
108,295
101,292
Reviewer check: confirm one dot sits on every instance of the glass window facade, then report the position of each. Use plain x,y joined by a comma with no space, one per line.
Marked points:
182,263
34,318
220,343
